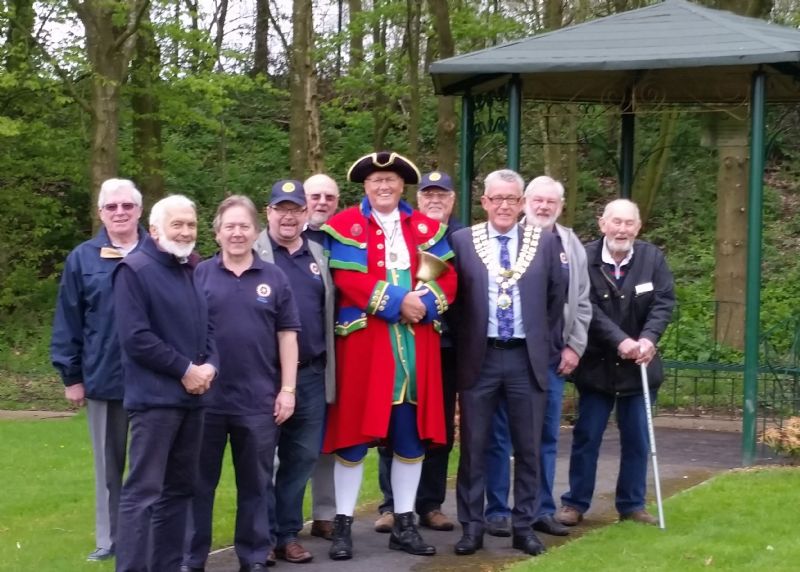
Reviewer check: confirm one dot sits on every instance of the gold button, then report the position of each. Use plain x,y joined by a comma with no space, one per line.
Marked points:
380,247
380,263
379,232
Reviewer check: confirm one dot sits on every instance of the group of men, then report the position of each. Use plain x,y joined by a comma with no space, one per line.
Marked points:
327,333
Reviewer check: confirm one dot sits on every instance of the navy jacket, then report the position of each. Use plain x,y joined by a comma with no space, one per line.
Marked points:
84,347
640,308
163,326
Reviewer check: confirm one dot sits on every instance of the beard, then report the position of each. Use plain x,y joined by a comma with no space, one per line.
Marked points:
616,247
532,218
176,249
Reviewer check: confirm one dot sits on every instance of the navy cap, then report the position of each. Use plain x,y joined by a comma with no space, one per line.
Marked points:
383,161
287,190
436,179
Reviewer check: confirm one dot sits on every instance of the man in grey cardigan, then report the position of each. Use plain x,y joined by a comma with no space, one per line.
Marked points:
300,442
544,201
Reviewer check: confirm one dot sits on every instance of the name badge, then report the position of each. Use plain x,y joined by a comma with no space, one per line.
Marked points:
645,287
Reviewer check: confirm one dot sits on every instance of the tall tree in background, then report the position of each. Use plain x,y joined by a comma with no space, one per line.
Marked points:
21,17
111,28
261,40
356,35
304,130
446,120
732,128
413,37
380,106
147,145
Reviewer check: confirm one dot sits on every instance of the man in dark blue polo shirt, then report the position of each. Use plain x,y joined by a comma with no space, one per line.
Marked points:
255,325
301,436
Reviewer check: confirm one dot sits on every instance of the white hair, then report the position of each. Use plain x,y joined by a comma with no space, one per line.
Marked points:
159,211
111,186
320,179
506,175
545,181
616,203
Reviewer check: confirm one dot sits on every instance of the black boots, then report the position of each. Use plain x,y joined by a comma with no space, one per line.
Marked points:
405,536
342,547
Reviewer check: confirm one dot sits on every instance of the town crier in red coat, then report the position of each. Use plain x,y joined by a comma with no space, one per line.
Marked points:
388,378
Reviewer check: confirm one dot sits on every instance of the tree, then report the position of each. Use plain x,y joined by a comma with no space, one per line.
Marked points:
304,130
111,27
446,120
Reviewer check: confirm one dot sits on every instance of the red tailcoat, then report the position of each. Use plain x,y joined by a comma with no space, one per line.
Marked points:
365,365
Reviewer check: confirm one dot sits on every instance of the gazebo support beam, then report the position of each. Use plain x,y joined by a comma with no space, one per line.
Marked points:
626,147
467,157
755,204
514,121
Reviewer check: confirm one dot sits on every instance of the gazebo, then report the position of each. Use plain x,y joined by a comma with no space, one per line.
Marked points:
674,52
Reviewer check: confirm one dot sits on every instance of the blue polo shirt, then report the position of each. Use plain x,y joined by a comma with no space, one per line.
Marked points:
309,291
247,312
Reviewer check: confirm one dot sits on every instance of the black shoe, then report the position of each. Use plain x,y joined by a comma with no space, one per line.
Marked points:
100,554
551,526
529,544
499,526
342,547
406,537
468,544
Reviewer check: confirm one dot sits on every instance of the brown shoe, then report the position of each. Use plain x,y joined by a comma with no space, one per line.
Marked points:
385,522
641,516
322,529
568,516
436,520
293,552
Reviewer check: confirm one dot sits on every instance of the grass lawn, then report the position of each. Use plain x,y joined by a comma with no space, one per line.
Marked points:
743,520
47,498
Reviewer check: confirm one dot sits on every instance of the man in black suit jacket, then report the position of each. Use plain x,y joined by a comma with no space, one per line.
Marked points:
507,320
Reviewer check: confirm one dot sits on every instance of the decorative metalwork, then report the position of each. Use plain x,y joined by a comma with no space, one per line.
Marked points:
491,112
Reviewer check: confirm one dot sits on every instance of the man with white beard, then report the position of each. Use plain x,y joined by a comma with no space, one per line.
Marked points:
168,361
632,298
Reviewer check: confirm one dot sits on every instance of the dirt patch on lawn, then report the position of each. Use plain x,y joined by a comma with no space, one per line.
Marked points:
32,415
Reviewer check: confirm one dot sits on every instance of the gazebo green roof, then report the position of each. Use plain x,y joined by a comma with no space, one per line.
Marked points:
672,52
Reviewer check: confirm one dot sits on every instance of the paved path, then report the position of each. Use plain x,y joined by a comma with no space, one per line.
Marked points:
685,457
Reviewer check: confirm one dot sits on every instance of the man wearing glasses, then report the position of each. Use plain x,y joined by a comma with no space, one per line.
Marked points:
389,385
85,350
300,441
507,314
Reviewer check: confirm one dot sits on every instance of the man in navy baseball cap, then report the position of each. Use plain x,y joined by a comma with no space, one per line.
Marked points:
287,190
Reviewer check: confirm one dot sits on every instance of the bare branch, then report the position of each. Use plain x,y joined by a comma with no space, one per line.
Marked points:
132,27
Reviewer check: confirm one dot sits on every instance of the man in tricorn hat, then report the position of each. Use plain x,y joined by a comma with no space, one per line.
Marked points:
389,386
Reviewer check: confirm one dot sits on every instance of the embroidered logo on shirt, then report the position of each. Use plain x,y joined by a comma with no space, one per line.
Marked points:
263,291
314,268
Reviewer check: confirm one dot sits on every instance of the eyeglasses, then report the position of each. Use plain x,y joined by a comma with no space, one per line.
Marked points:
497,201
113,207
287,211
320,196
381,180
439,195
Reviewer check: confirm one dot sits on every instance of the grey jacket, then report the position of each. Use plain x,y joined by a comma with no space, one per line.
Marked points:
578,308
263,247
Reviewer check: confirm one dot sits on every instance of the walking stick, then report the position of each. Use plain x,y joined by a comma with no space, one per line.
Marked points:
651,433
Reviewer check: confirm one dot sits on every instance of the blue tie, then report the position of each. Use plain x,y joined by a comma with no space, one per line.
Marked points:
505,317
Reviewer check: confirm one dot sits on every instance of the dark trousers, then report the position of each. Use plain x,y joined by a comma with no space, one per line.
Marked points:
505,372
163,462
433,481
252,440
594,410
299,446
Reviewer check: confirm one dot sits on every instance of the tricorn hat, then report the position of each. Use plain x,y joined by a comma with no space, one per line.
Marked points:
383,161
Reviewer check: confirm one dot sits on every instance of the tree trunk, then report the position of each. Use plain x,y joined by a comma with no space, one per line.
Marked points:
446,119
222,16
646,187
304,131
731,233
261,40
356,35
380,111
147,146
21,16
413,34
110,40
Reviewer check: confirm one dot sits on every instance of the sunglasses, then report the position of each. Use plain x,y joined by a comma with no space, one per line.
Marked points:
113,207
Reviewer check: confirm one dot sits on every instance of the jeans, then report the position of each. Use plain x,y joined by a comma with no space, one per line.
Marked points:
299,447
498,464
548,451
594,410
